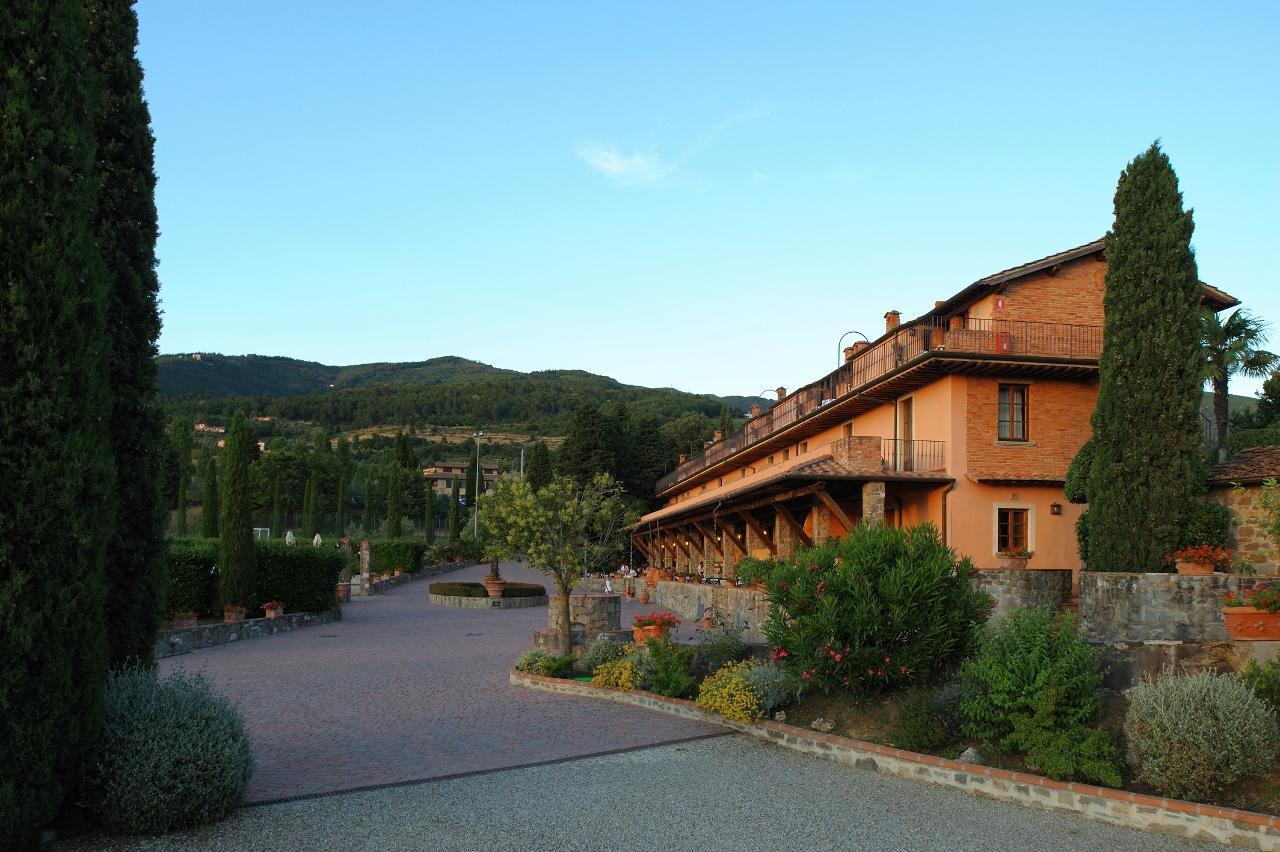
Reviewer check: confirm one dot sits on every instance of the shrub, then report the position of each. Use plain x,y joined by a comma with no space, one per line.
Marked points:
1208,523
879,608
602,650
919,726
301,577
719,645
1077,482
1239,439
727,692
1082,536
388,554
1264,680
774,687
548,665
477,590
191,566
1069,753
173,753
1192,735
670,674
623,673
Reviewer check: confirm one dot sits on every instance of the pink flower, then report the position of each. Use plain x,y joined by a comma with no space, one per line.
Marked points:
779,652
886,659
804,674
902,669
813,566
837,656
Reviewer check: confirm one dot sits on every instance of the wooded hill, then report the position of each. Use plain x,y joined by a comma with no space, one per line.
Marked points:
447,391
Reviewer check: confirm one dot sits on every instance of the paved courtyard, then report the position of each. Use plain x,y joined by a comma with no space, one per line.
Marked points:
402,690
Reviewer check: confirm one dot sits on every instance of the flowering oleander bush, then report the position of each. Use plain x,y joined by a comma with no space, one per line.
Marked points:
1264,596
727,692
665,620
173,753
880,608
624,673
1192,735
1208,554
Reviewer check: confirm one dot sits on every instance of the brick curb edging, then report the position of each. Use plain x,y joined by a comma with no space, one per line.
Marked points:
1117,807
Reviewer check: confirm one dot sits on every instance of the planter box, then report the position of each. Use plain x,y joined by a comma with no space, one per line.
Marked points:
1012,563
184,623
232,616
1251,624
653,633
1190,566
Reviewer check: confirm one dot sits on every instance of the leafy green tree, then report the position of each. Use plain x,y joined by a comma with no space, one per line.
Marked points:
56,456
539,471
1145,472
564,529
1232,347
588,449
687,433
209,501
455,516
238,572
126,232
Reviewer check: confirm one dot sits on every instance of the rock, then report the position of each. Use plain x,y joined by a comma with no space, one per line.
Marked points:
780,716
972,755
824,726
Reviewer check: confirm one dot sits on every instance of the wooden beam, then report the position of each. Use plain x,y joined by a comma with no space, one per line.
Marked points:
709,537
790,520
680,544
638,541
742,548
759,531
836,510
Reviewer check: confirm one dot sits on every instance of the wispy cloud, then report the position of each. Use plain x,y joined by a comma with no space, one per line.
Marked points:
635,168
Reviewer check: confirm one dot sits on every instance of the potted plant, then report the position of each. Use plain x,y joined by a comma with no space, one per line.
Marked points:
493,582
232,613
273,609
183,620
1013,560
653,626
1202,559
1254,614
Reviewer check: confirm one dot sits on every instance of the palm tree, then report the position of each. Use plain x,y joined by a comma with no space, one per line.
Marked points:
1232,347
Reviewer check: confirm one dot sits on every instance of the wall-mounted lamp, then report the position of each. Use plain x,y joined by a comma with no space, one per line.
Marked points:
1055,508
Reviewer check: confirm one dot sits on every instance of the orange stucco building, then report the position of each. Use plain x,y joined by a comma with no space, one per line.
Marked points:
967,417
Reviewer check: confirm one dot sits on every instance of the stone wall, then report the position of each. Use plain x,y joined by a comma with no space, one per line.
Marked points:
182,640
1124,607
590,616
464,602
1017,589
747,608
1246,537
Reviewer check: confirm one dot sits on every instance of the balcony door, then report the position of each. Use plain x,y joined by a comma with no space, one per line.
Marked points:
906,434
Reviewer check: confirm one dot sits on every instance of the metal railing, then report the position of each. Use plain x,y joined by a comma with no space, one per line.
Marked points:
927,336
911,455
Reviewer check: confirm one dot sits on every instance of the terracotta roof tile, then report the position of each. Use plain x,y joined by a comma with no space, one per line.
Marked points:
1252,464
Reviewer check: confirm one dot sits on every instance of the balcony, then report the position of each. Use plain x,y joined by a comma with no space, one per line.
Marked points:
872,454
912,344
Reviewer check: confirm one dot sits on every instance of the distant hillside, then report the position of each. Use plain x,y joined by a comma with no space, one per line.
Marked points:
1235,402
446,391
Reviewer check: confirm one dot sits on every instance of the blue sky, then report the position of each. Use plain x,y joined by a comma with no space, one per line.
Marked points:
702,195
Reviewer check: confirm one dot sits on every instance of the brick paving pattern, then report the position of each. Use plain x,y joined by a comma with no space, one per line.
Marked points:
401,690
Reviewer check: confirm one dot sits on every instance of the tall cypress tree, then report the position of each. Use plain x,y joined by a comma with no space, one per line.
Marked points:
126,232
539,471
180,510
343,453
455,517
56,461
429,515
277,510
1143,479
395,499
726,422
179,445
209,509
238,570
310,510
588,449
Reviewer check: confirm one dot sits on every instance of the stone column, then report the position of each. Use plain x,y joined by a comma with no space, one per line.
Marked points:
754,543
872,501
821,522
784,539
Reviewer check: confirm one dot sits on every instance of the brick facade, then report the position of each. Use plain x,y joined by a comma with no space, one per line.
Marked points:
1057,426
1072,295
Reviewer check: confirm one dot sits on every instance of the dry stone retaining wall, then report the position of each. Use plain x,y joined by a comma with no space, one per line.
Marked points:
1125,607
1018,589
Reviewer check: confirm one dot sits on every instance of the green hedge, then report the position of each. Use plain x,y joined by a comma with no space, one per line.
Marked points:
388,554
1238,439
190,565
302,577
477,590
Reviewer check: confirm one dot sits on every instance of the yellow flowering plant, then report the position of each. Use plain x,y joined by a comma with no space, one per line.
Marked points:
727,692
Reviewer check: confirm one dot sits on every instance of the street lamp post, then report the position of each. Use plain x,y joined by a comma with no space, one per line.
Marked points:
840,345
475,506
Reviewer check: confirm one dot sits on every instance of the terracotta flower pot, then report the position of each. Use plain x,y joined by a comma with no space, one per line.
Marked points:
344,591
273,611
1250,623
185,623
230,616
642,596
641,635
494,586
1191,566
1012,563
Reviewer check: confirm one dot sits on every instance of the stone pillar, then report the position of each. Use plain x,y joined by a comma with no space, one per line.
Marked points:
784,539
732,557
872,501
821,522
360,584
754,544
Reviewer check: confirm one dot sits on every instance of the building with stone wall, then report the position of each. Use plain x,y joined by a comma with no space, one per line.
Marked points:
1237,483
966,417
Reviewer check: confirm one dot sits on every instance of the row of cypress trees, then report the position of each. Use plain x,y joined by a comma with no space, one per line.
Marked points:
81,435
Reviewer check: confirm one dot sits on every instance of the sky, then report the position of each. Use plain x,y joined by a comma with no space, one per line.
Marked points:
697,195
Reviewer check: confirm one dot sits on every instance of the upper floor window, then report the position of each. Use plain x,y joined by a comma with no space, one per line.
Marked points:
1013,413
804,448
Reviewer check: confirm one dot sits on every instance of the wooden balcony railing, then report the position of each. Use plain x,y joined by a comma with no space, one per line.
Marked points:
916,340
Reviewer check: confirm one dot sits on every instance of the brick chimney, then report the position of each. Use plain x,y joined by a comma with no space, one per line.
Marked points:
755,410
781,393
891,320
682,458
851,352
717,435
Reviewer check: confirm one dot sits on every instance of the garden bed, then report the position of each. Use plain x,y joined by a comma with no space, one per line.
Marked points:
1118,807
475,596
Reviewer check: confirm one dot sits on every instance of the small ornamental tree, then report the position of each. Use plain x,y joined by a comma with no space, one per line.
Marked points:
563,530
1146,424
878,609
237,571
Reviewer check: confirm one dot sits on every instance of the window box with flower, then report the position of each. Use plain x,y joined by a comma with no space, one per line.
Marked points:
1013,560
1254,614
1202,559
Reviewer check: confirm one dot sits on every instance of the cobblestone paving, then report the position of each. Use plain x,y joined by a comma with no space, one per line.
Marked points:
403,690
